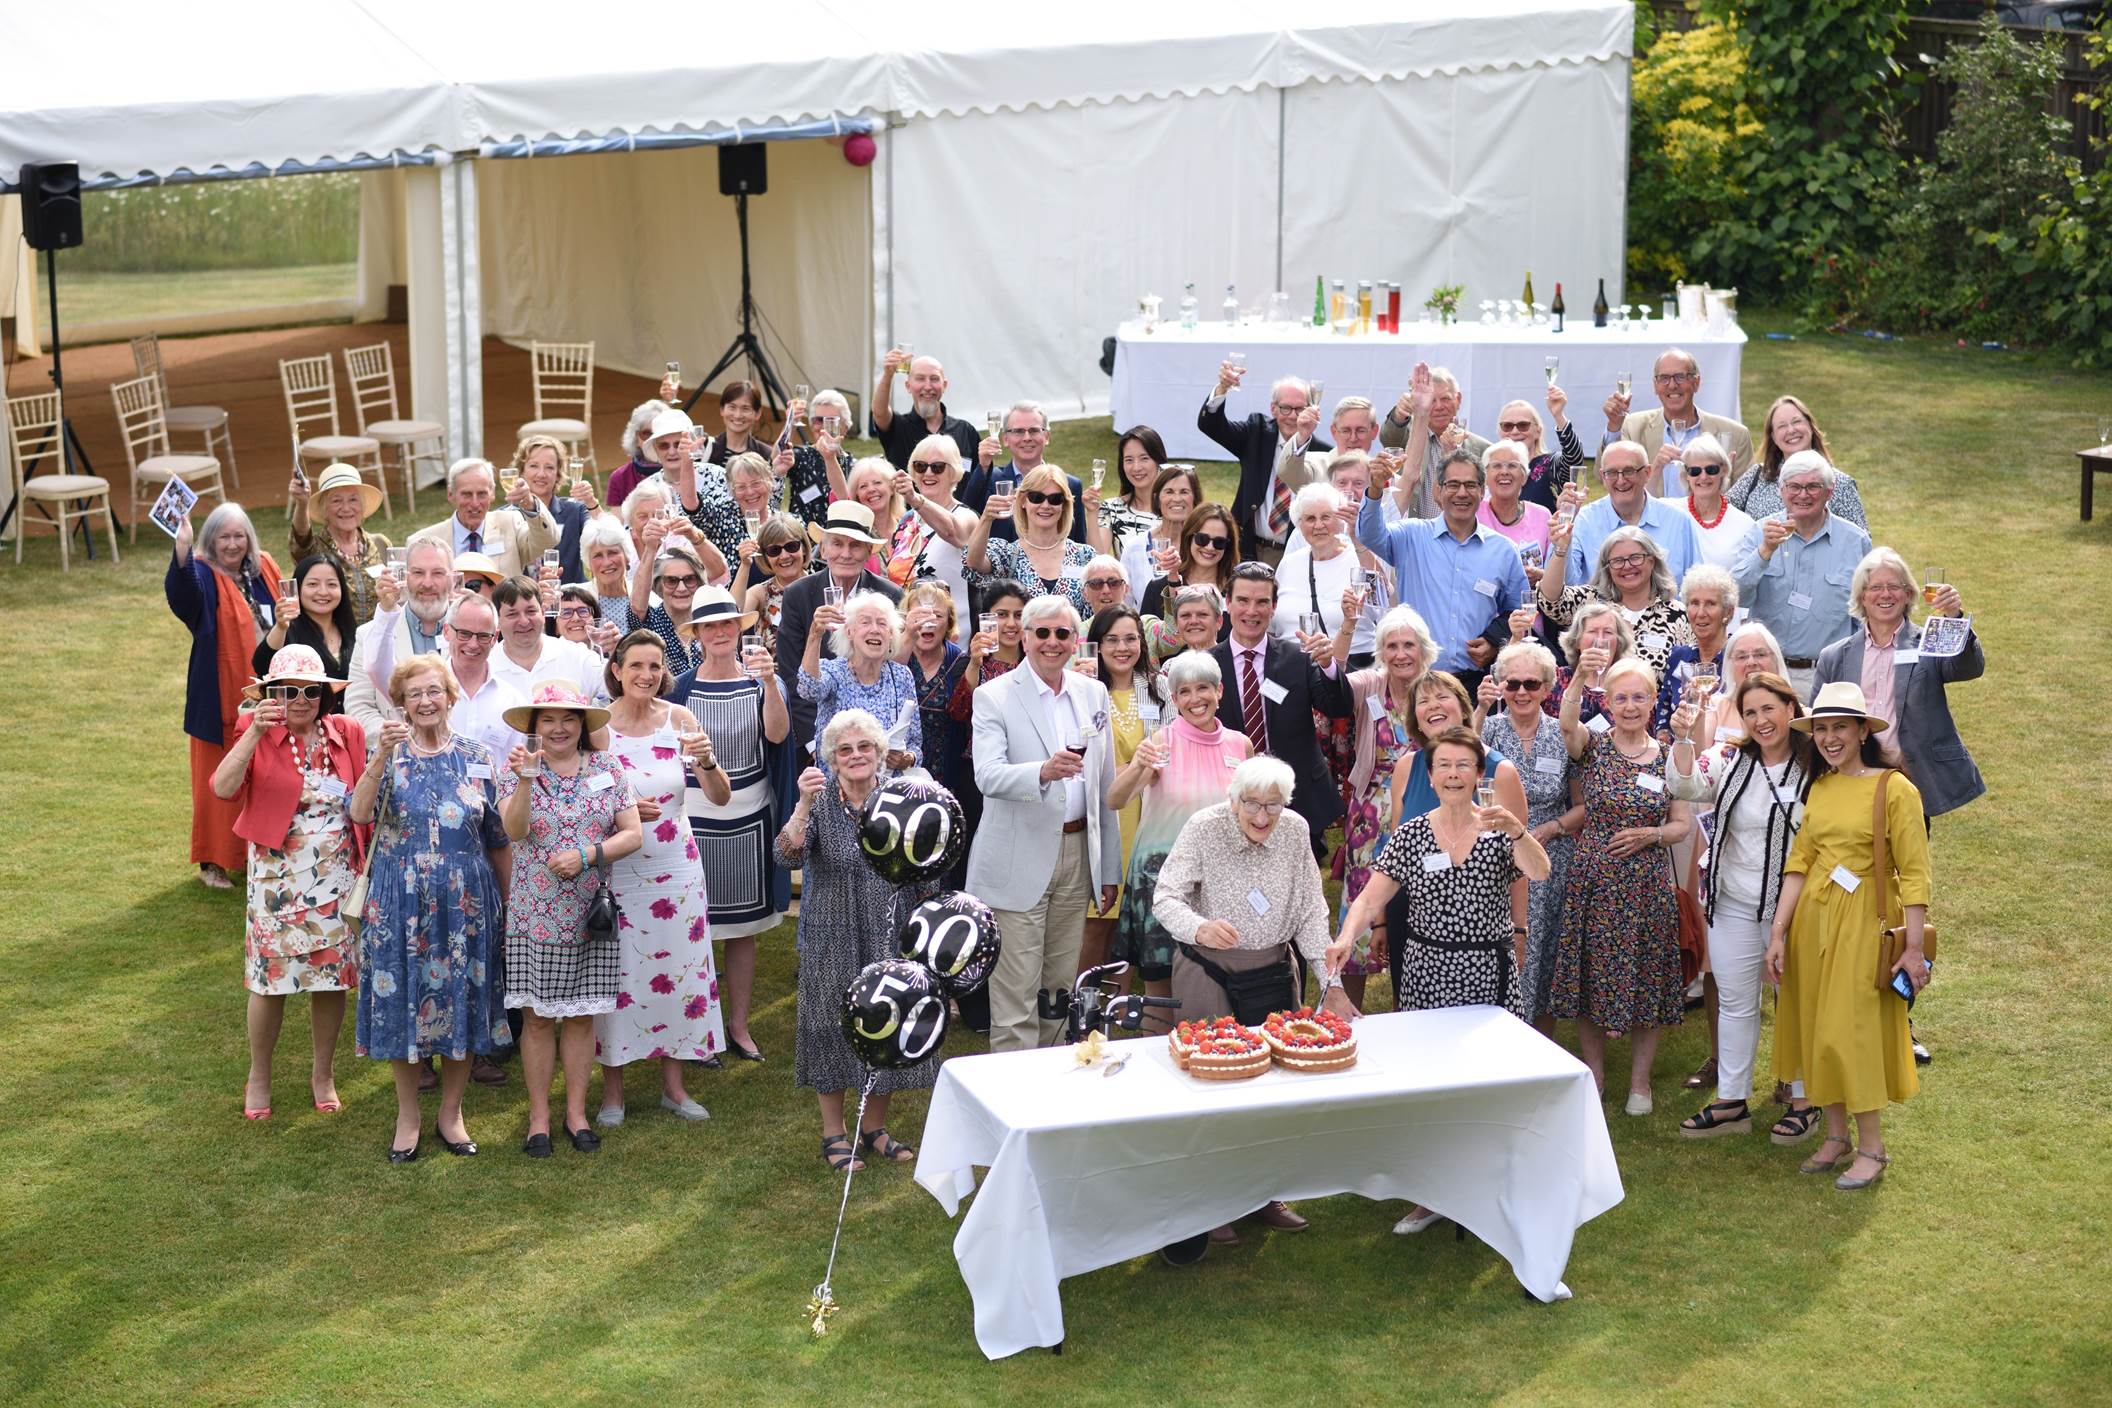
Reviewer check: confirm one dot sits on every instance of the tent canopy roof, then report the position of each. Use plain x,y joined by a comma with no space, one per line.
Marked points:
245,82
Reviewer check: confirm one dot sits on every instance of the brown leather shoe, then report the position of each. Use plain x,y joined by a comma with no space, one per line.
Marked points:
1224,1236
1278,1215
485,1071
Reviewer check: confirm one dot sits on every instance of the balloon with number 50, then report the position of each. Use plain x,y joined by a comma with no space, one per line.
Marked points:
894,1014
911,831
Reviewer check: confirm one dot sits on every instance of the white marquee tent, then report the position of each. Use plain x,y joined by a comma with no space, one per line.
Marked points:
1037,168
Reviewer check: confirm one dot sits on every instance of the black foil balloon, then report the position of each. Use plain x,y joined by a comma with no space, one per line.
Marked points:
955,935
894,1014
911,831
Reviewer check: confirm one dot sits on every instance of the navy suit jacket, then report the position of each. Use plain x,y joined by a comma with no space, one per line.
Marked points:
1306,687
1253,443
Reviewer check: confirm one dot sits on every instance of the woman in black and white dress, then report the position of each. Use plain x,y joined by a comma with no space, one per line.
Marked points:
738,702
1453,868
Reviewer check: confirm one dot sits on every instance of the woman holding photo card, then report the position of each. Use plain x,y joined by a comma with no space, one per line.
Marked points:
226,593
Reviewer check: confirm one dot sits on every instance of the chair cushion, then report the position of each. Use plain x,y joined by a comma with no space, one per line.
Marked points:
194,417
398,432
337,447
556,429
177,466
64,486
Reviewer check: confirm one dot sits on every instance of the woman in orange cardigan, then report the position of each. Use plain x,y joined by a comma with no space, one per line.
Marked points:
291,770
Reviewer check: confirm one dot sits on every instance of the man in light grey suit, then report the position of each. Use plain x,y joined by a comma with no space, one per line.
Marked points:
426,590
1048,841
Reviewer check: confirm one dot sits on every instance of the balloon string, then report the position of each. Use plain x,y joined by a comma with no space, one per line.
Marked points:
872,1079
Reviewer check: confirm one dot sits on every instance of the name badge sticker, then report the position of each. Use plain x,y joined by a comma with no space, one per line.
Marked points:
1800,601
810,493
1906,657
1600,724
1649,782
1437,861
480,772
1273,692
1654,641
1486,587
331,787
1553,767
1846,879
600,782
1258,901
1148,711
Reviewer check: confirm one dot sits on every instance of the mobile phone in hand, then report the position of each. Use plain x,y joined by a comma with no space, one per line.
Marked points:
1904,986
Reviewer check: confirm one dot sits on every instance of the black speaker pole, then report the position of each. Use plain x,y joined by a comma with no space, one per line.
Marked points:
745,343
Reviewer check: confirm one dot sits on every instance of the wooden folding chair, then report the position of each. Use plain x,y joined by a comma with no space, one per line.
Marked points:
311,401
146,436
208,423
371,372
563,376
34,427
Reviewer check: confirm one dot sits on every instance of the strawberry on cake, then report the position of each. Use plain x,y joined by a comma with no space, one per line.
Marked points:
1310,1040
1219,1050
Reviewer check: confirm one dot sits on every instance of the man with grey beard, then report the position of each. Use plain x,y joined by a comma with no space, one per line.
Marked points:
429,580
899,434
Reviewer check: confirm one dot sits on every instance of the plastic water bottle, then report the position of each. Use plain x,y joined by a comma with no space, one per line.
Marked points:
1231,307
1191,311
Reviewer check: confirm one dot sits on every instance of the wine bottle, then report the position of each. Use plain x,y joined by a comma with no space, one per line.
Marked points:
1528,290
1598,307
1556,307
1319,301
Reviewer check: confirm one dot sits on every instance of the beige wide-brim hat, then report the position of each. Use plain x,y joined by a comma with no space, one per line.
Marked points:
850,519
476,564
343,476
555,694
1840,700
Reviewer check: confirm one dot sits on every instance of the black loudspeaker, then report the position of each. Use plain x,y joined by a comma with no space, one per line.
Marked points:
51,204
744,170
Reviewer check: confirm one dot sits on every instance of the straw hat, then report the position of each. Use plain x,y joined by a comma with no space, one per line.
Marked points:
292,664
851,519
1840,700
476,564
717,604
555,694
343,476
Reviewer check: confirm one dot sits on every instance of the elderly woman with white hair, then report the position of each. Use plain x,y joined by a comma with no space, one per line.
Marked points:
1634,575
848,917
226,594
327,521
640,464
815,472
865,636
663,587
1597,624
1384,734
1709,595
1752,649
1504,509
1521,730
1177,770
944,523
1547,471
606,550
1721,528
1319,572
1617,966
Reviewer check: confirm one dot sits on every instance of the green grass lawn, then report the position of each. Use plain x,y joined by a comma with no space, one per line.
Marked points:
86,298
155,1248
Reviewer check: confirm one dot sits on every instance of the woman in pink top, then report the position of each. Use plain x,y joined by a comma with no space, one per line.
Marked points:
1525,524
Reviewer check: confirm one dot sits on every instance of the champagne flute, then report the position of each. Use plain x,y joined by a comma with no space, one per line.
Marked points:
399,558
1099,473
803,394
1484,798
1319,391
574,473
1554,369
2104,431
751,525
1624,385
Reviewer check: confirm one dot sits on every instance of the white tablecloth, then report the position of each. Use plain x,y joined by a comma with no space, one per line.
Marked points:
1466,1110
1161,379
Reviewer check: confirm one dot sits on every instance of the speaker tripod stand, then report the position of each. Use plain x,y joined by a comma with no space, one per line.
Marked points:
745,343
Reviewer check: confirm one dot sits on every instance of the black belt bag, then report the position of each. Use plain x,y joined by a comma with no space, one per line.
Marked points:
1253,993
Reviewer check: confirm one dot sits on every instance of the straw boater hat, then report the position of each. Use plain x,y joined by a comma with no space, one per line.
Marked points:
717,604
476,564
555,694
1840,700
344,476
851,519
292,664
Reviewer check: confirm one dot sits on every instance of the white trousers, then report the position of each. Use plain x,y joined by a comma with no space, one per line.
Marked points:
1737,945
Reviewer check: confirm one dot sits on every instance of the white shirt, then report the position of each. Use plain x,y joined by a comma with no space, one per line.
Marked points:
459,542
1059,712
1294,589
1722,545
557,660
481,716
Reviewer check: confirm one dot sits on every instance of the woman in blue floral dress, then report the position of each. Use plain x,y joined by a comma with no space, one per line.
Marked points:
432,932
865,634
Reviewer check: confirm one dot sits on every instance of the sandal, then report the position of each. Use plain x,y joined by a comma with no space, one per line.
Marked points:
1704,1076
1819,1164
836,1153
1713,1119
886,1146
1795,1126
1849,1185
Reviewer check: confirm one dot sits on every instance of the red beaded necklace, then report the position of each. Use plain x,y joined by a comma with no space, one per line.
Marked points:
1723,506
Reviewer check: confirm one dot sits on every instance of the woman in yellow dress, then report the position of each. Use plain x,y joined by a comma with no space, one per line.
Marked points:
1136,707
1834,1026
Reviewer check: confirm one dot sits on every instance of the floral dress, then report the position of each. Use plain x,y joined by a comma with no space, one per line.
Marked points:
1368,821
1617,962
1658,627
839,689
1544,769
667,994
431,945
549,967
1009,559
294,939
1455,944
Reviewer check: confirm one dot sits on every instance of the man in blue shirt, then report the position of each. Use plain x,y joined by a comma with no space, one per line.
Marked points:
1796,578
1623,466
1465,579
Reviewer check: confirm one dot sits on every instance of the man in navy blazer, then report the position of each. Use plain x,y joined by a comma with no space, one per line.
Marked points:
1026,435
1288,688
1271,452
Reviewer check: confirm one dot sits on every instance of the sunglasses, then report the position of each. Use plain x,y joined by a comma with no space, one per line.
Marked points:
1053,632
1525,686
1706,471
1100,584
930,466
1514,425
1042,496
781,550
1212,541
294,691
684,583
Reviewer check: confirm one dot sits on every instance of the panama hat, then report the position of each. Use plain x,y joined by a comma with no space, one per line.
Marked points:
555,694
1840,700
717,604
851,519
343,476
476,564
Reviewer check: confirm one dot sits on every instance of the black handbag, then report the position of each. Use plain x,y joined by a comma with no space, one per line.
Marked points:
1254,992
599,927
